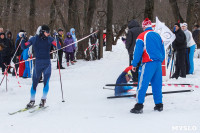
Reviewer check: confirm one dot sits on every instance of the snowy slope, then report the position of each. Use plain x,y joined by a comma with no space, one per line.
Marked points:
87,110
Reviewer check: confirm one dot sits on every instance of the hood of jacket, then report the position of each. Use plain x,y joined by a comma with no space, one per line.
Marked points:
69,34
71,31
133,23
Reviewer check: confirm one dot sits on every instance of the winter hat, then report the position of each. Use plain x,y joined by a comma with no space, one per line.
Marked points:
22,31
2,33
60,29
45,28
146,23
178,24
184,24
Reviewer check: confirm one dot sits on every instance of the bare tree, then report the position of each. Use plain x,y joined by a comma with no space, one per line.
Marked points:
88,18
176,11
149,9
190,19
6,13
52,16
73,16
32,17
109,33
15,11
62,18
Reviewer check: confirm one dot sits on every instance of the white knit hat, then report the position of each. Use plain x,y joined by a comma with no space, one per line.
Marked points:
184,24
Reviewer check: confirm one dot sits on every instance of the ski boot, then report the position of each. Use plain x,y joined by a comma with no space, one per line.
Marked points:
159,107
30,104
138,109
42,103
67,63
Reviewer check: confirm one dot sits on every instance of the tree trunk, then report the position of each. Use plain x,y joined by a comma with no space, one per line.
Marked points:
176,11
109,33
120,33
73,17
149,9
60,14
52,16
1,10
190,19
32,17
88,18
6,13
14,21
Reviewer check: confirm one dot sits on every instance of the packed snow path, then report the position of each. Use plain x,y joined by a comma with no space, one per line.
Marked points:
86,108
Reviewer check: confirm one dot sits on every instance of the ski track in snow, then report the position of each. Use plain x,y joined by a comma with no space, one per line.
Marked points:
86,108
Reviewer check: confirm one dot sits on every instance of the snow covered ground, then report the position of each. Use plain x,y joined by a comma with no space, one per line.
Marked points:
86,108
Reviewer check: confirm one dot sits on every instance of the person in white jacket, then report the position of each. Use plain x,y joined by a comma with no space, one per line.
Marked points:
190,49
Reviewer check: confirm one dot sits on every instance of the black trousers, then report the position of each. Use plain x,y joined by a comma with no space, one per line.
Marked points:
180,63
5,60
60,55
134,74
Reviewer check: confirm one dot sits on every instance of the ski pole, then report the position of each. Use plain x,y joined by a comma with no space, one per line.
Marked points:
148,94
59,68
172,62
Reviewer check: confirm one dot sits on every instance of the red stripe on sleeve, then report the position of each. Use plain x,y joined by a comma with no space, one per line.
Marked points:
128,69
27,43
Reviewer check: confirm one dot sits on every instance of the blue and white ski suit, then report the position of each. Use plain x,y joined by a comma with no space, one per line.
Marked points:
41,47
150,49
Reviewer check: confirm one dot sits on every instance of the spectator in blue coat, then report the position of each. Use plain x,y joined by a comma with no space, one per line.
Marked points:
69,48
25,56
72,31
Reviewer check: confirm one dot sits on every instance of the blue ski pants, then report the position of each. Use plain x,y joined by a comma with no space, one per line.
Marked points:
27,71
150,72
191,59
119,90
41,66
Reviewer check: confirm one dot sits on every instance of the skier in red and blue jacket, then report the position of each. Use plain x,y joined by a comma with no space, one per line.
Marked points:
41,45
149,47
123,78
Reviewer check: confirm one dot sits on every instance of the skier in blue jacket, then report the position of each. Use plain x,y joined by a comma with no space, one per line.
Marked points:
123,78
41,45
149,47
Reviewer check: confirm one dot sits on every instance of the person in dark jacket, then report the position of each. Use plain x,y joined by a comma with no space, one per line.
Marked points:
179,45
17,57
60,52
133,32
10,37
6,52
69,49
196,36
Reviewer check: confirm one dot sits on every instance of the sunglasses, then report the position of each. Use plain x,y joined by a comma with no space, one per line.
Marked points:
47,31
